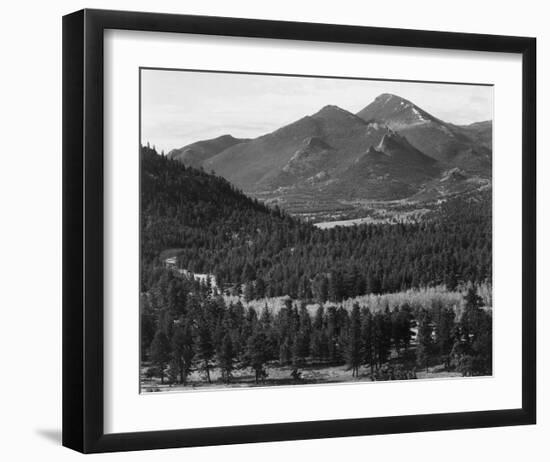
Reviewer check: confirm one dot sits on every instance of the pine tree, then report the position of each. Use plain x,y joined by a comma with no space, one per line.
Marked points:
297,358
248,273
424,340
342,317
315,346
444,334
266,320
482,345
401,319
304,330
320,288
160,352
205,348
285,351
226,357
387,326
256,354
332,334
267,326
183,349
367,334
470,316
473,347
302,336
354,347
382,338
248,291
172,371
147,328
259,288
372,283
249,326
304,288
175,297
319,319
336,286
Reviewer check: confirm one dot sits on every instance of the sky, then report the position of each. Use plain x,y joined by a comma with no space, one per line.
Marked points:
181,107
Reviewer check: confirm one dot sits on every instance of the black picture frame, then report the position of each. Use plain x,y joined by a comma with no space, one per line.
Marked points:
83,208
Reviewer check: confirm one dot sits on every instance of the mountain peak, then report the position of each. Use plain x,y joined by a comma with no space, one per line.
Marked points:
390,98
396,111
195,154
331,112
387,97
227,137
331,108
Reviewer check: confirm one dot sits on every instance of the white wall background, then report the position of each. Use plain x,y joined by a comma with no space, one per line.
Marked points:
30,244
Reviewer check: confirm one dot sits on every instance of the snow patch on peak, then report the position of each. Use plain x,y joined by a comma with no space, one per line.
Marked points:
418,115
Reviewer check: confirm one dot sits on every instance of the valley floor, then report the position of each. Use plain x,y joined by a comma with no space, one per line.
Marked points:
281,375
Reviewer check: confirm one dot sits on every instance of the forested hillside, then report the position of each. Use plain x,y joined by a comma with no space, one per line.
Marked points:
191,335
214,228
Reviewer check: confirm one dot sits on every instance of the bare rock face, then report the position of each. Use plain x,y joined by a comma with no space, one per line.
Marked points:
466,147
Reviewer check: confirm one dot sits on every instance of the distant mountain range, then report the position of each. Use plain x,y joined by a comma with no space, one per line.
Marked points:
390,150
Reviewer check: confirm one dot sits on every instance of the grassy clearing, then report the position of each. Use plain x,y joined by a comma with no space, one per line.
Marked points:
415,298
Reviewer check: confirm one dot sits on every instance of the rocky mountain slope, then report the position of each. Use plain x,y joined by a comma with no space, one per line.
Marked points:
333,160
463,147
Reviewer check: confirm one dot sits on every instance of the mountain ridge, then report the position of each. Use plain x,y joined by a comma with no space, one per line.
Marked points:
390,150
195,154
454,146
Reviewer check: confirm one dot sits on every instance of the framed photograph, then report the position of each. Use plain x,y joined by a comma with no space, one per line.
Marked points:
280,231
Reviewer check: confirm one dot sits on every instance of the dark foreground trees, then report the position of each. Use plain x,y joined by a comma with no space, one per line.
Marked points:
355,342
424,339
205,348
183,349
226,358
473,340
160,353
211,337
256,354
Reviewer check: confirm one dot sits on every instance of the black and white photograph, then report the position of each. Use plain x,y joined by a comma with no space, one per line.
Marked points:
304,230
275,231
